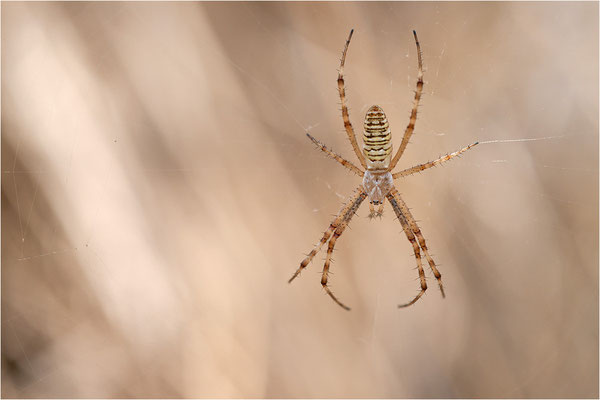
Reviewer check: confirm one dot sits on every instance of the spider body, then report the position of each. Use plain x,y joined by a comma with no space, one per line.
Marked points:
378,180
377,140
377,149
377,184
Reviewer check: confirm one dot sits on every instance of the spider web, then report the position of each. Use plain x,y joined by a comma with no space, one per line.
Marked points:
158,190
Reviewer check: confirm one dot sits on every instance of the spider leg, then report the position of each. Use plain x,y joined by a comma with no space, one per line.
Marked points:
351,205
422,167
338,232
415,229
325,275
413,242
336,157
413,114
345,114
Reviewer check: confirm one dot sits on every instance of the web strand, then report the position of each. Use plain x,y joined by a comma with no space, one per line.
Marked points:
521,140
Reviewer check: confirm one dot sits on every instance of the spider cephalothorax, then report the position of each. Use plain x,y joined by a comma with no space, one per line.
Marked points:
378,180
377,184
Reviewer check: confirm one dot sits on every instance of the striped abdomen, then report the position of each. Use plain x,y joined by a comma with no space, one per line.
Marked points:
377,139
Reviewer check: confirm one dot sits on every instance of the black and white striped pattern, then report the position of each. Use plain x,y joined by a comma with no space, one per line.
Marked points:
377,138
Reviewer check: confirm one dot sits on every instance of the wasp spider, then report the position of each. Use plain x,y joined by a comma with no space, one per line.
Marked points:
378,179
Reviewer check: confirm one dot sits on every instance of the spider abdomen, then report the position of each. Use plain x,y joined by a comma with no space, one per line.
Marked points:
377,139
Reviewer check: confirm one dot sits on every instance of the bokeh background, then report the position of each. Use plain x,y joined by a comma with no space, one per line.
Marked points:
158,190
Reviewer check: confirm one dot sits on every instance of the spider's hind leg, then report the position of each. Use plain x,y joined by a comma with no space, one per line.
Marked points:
410,128
345,114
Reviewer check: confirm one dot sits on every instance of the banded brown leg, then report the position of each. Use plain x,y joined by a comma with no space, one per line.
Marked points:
411,238
422,167
345,114
415,229
338,232
413,114
332,227
336,157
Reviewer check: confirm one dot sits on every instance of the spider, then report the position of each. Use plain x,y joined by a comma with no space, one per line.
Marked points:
378,180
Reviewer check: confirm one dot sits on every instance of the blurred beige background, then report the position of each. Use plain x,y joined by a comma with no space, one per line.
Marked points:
158,191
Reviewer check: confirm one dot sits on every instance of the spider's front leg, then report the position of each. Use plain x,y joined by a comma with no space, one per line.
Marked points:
411,229
344,216
338,232
411,238
412,223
